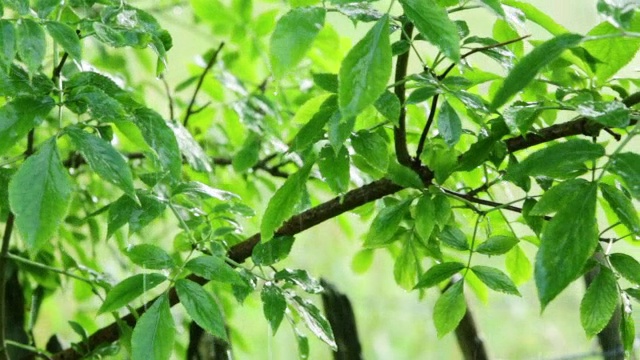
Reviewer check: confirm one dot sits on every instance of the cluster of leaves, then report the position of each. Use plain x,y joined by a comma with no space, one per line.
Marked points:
322,115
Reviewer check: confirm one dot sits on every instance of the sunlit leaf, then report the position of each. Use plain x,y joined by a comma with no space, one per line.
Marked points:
149,256
449,309
31,43
386,223
273,305
449,124
129,289
495,279
365,70
627,166
439,273
621,206
201,307
66,37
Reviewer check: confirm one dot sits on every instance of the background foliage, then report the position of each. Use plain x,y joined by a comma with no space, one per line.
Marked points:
484,159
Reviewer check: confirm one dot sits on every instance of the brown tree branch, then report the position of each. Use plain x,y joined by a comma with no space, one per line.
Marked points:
400,131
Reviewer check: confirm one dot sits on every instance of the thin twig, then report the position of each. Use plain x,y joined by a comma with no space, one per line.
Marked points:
167,91
208,67
57,71
6,237
427,126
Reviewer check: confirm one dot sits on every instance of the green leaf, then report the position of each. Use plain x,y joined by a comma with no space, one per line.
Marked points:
449,309
518,265
249,154
495,279
567,242
625,48
129,289
372,147
7,43
627,266
495,6
454,238
560,160
557,197
529,66
334,168
32,44
21,115
403,176
622,206
273,305
365,70
202,307
628,331
313,129
385,224
189,147
160,138
154,333
520,116
627,166
599,302
607,113
497,245
66,37
406,266
283,202
314,320
149,257
126,210
449,124
434,24
103,159
537,16
619,13
300,278
439,273
39,196
102,106
214,268
425,217
273,251
422,94
200,190
293,37
362,261
389,106
326,81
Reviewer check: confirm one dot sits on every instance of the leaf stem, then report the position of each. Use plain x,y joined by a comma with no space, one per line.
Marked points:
47,268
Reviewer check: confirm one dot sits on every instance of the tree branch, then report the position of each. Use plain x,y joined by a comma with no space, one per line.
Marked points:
400,131
208,67
6,237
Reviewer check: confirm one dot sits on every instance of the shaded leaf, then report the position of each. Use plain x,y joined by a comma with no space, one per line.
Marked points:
449,124
425,217
293,36
214,268
627,166
283,202
497,245
154,333
454,238
433,22
334,167
39,196
495,279
300,278
607,113
189,147
529,66
567,242
201,307
372,147
622,206
106,161
439,273
160,138
21,115
129,289
599,302
273,305
149,257
273,251
126,210
66,37
32,44
627,266
314,320
449,309
385,224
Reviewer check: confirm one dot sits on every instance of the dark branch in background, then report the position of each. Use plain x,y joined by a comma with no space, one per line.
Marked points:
469,340
434,102
208,67
400,131
6,237
339,313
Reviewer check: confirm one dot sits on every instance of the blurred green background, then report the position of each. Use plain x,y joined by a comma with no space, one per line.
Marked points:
392,323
